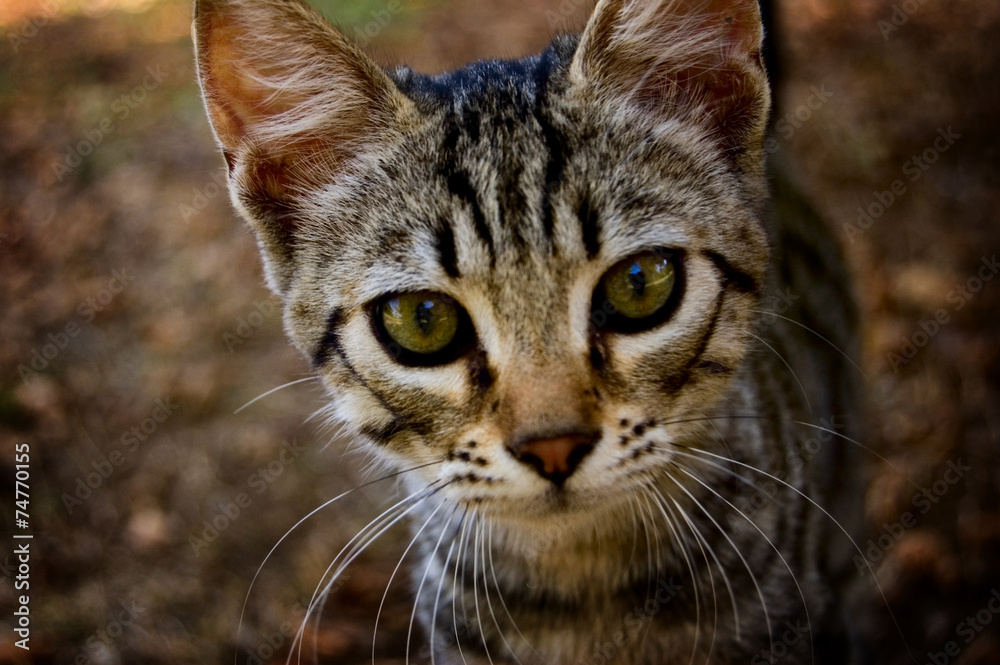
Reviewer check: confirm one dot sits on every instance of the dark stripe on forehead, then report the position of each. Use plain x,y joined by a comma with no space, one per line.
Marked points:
447,256
511,201
590,227
733,276
555,142
458,181
460,187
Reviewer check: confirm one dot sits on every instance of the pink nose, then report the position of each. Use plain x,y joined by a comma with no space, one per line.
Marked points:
555,458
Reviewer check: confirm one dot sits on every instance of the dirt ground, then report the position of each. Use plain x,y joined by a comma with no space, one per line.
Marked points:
135,325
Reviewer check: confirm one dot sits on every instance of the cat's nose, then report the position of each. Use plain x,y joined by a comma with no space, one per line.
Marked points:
555,458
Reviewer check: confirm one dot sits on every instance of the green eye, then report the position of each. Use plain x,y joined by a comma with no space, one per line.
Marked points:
422,323
638,289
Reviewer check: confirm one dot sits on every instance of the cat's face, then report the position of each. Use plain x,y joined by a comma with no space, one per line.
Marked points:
528,279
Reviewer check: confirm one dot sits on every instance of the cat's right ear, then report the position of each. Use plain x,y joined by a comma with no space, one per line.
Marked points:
292,103
695,61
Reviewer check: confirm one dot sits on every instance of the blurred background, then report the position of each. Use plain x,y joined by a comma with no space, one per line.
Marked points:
135,324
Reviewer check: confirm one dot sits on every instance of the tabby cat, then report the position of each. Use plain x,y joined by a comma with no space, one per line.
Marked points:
557,295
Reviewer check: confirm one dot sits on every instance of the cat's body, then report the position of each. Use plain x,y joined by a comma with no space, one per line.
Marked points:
556,289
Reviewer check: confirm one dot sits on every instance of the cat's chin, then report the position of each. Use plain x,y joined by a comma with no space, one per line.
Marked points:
556,508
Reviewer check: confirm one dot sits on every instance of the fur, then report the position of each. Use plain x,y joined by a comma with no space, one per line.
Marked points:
512,187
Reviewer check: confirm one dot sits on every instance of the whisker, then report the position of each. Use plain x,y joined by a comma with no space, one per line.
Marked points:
635,526
444,575
791,371
316,510
703,543
808,329
503,603
423,579
395,570
355,547
649,526
488,540
774,547
274,390
460,563
832,432
708,567
805,496
682,543
753,578
475,586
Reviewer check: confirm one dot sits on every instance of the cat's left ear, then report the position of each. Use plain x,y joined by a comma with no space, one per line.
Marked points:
292,102
692,60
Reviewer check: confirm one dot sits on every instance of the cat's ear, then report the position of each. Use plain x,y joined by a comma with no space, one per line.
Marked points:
292,102
697,60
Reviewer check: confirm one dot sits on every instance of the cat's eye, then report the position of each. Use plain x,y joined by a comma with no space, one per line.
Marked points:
638,292
422,328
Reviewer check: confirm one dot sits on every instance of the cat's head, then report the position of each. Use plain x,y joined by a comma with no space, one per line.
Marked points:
529,276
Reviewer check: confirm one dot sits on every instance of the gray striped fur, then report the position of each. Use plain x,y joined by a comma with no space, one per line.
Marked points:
512,187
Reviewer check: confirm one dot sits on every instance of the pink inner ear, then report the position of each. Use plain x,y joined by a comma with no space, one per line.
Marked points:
290,99
242,85
692,60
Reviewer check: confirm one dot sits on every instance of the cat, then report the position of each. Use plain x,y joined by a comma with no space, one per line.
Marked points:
608,353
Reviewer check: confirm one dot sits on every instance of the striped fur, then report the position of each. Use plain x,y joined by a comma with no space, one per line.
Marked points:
512,187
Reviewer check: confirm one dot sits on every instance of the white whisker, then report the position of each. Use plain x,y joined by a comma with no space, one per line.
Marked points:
463,540
313,512
423,579
810,330
477,543
774,547
355,547
503,603
444,575
487,541
682,545
736,550
413,541
791,371
274,390
809,499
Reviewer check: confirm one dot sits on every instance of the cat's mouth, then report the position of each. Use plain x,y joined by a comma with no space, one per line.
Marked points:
565,501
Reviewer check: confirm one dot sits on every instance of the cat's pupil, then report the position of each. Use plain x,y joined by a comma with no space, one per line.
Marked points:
637,278
424,315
